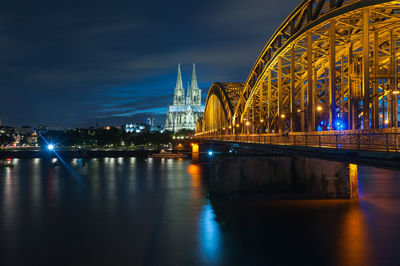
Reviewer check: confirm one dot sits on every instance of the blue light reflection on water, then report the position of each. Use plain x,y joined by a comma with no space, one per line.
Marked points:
209,235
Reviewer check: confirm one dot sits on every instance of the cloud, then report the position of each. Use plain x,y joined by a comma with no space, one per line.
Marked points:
73,61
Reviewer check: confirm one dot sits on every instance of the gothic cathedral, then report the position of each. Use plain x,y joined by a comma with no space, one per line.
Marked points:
184,112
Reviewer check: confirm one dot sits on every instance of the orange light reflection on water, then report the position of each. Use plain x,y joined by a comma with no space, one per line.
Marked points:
194,171
355,248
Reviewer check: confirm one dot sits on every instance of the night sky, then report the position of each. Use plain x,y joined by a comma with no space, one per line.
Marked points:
68,63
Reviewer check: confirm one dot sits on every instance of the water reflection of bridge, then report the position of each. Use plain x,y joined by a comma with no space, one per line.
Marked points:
328,78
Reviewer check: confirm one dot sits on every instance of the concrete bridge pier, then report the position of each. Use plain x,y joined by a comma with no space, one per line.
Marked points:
282,177
204,152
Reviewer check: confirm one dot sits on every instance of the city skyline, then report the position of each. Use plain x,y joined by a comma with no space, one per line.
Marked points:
72,63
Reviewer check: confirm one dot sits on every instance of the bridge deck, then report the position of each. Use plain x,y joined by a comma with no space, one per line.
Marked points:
381,150
383,142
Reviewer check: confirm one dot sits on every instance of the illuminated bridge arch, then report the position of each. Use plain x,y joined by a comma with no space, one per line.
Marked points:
332,64
221,101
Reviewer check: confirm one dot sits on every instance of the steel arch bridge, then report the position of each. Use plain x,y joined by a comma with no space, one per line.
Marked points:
331,66
221,103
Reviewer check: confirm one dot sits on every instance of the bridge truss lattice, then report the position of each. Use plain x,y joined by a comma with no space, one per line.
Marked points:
331,65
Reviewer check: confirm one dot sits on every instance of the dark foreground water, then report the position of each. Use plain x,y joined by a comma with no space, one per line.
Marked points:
131,211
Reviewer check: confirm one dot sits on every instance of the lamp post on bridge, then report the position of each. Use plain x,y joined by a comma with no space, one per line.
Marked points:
262,125
248,127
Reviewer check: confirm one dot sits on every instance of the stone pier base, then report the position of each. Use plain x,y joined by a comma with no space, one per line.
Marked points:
283,176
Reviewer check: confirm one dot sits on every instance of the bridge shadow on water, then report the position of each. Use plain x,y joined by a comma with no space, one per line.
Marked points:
281,232
265,231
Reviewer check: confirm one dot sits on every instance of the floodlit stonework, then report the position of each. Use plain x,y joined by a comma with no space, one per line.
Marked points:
184,112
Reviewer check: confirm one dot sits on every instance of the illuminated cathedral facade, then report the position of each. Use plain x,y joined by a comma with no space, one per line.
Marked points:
187,108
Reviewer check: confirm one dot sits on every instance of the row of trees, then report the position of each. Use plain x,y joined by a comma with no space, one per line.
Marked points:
5,140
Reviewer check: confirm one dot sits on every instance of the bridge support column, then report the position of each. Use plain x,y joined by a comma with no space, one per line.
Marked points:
302,109
332,75
293,112
282,177
365,68
281,120
350,97
195,152
395,87
204,152
375,92
269,92
310,85
260,110
392,40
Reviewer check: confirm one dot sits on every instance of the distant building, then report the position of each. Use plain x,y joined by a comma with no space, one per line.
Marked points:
5,130
42,129
140,128
150,121
135,128
157,128
184,112
33,139
24,130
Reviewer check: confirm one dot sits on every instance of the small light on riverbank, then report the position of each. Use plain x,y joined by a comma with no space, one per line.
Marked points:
50,147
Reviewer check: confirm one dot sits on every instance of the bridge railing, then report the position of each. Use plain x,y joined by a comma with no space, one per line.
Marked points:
388,142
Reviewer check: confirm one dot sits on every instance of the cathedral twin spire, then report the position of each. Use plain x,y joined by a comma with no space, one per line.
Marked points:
179,93
179,84
194,85
193,94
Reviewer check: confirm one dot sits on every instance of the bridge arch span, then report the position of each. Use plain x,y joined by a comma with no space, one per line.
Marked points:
221,101
331,65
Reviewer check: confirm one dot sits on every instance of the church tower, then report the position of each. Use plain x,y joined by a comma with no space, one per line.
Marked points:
185,111
195,92
179,92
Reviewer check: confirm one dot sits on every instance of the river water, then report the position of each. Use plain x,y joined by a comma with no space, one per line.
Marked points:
133,211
